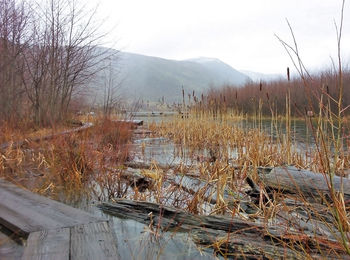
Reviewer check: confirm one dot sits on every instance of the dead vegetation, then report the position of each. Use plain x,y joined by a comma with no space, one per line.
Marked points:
66,161
238,191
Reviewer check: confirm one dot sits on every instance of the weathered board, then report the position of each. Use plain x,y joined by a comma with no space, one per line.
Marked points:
54,230
24,212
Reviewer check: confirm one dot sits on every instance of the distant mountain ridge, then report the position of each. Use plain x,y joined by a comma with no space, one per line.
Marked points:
256,76
151,78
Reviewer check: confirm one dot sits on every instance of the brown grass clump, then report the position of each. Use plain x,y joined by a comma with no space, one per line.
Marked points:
65,164
208,139
69,166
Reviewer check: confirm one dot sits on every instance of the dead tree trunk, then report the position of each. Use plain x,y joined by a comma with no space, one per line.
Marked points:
312,186
227,235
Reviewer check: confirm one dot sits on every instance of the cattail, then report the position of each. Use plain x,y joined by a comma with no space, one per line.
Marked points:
236,94
260,86
267,95
288,74
327,89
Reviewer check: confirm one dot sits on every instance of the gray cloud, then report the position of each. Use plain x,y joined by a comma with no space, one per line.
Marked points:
240,33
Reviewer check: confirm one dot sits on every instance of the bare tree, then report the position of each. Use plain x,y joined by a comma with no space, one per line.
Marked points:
62,57
13,24
111,97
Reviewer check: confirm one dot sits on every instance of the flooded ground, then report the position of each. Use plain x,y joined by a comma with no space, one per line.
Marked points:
134,240
139,241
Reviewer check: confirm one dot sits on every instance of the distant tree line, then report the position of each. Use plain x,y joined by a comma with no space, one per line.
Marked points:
270,98
47,55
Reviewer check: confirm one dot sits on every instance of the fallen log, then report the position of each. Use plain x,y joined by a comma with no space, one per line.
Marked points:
171,217
192,184
195,186
246,246
230,235
312,186
136,180
208,191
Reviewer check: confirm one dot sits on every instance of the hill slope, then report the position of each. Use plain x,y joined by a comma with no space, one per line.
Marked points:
151,78
256,76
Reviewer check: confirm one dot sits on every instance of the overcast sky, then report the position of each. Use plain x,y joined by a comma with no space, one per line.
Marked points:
239,32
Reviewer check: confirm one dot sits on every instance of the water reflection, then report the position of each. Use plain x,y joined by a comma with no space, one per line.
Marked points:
138,241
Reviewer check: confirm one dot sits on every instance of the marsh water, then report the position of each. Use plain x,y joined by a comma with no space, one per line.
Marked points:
136,240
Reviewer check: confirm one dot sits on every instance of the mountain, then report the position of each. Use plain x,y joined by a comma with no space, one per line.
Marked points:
256,76
151,78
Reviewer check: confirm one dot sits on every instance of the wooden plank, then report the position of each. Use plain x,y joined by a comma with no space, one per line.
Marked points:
18,222
24,212
93,241
48,245
54,230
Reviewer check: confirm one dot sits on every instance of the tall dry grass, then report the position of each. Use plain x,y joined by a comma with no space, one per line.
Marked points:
65,167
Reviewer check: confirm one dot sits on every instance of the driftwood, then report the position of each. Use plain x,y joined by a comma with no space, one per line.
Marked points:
196,186
312,186
135,179
208,191
228,235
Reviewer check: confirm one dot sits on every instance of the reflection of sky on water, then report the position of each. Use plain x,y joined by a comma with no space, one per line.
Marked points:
137,241
303,137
